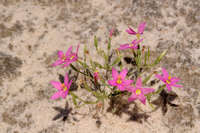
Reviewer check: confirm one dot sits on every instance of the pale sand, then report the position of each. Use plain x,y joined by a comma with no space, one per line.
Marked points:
34,30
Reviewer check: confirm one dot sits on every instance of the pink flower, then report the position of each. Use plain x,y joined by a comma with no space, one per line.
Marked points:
111,32
96,75
119,79
139,32
63,88
66,58
72,57
168,80
133,45
138,92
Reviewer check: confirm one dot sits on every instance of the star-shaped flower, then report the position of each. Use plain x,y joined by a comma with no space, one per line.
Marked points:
63,88
139,32
119,79
133,45
96,75
168,80
66,58
139,92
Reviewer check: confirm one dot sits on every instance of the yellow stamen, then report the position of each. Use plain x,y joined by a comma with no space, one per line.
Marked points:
64,87
138,36
169,80
72,57
138,92
119,81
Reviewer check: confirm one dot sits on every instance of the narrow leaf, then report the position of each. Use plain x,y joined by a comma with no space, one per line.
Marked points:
96,42
158,59
147,79
116,61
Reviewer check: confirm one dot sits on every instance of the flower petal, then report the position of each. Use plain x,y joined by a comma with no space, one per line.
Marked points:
124,46
178,86
60,54
57,85
142,98
68,51
160,77
66,79
174,79
114,73
165,73
168,87
67,63
64,94
127,82
56,63
131,89
130,31
141,28
69,84
112,82
121,87
147,90
139,41
139,83
134,47
132,97
56,95
123,73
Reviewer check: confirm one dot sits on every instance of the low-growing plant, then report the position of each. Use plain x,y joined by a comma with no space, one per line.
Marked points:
112,79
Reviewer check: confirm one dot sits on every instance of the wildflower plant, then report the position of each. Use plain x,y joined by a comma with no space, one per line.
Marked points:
112,78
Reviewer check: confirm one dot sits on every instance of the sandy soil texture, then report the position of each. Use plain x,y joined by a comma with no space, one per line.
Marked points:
32,31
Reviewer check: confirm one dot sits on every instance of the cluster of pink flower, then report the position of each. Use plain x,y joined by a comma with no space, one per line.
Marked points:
65,60
138,92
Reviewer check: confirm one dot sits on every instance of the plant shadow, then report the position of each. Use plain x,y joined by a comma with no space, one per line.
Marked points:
164,100
119,105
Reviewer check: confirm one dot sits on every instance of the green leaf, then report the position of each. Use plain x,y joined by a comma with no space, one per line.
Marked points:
74,100
89,90
97,64
96,42
117,60
75,69
147,79
102,54
160,89
92,64
158,59
145,58
83,64
109,43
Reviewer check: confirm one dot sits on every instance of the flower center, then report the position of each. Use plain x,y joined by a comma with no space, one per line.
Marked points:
63,58
64,87
138,36
131,45
96,71
169,80
119,81
138,92
71,57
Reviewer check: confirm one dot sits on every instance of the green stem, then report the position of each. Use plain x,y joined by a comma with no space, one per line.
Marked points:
86,102
74,68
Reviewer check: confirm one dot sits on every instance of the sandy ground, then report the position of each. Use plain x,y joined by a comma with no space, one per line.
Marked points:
32,31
